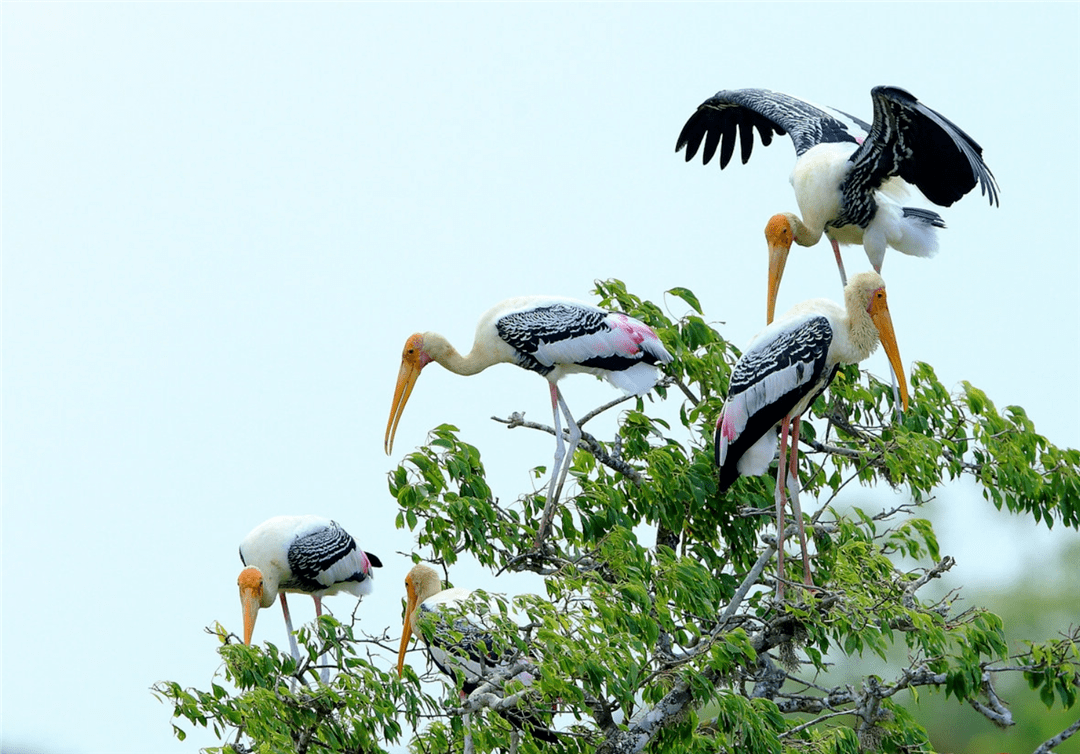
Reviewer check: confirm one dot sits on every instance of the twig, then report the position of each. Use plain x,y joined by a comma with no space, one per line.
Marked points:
941,567
588,443
740,593
1048,746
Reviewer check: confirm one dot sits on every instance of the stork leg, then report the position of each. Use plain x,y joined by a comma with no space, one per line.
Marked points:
796,508
575,438
292,637
325,673
839,262
562,461
781,503
289,628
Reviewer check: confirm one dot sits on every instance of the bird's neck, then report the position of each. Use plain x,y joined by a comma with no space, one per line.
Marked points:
803,234
477,360
862,335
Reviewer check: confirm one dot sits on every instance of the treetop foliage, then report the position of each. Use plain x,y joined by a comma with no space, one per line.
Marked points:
660,630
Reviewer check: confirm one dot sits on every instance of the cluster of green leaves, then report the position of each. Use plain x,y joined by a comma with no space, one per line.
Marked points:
675,643
1055,669
280,705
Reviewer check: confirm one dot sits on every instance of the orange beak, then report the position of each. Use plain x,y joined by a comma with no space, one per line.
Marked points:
779,235
413,360
251,592
879,313
406,629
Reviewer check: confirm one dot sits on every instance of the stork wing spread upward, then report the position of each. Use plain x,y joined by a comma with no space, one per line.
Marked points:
769,112
923,147
770,379
323,558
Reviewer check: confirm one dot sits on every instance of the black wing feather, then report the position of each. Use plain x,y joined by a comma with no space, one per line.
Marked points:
524,330
314,553
718,118
920,145
803,351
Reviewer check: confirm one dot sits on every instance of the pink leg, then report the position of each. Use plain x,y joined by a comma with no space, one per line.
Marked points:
781,503
839,262
796,507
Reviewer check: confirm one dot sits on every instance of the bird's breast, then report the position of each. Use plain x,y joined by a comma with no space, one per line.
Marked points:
816,179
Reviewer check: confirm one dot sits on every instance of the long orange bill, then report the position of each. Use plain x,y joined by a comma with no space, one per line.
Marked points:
406,380
413,360
777,259
250,583
406,630
879,313
779,235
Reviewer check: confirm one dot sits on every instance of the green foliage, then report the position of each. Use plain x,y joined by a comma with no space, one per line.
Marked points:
280,705
659,629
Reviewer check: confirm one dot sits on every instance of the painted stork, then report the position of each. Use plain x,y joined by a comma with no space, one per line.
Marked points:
783,369
553,337
848,175
472,655
306,554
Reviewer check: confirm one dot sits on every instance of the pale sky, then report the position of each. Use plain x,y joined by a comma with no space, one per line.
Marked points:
221,222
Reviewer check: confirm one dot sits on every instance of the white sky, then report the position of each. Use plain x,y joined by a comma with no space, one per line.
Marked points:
220,223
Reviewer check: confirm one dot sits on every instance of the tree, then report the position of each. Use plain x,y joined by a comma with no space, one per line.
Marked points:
660,630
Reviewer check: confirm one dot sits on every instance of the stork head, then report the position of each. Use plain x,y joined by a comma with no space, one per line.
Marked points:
867,290
420,583
253,595
413,359
779,234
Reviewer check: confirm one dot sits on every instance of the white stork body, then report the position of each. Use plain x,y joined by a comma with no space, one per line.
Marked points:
780,374
428,601
849,176
472,655
306,554
553,337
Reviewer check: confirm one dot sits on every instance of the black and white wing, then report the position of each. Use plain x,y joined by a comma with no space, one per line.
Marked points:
325,557
777,372
718,118
459,645
550,333
536,331
921,146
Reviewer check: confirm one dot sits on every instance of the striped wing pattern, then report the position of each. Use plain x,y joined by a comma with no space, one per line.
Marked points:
545,337
768,382
718,118
919,145
459,646
324,557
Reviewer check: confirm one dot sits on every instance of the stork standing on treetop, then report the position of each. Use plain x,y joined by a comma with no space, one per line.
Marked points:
306,554
780,374
553,337
473,654
849,175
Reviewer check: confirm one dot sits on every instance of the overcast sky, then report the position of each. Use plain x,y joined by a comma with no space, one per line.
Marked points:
221,222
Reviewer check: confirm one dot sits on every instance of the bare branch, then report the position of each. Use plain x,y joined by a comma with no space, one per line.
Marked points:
1048,746
588,443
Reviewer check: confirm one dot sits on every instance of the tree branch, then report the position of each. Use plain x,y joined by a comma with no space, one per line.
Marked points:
587,442
1048,746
